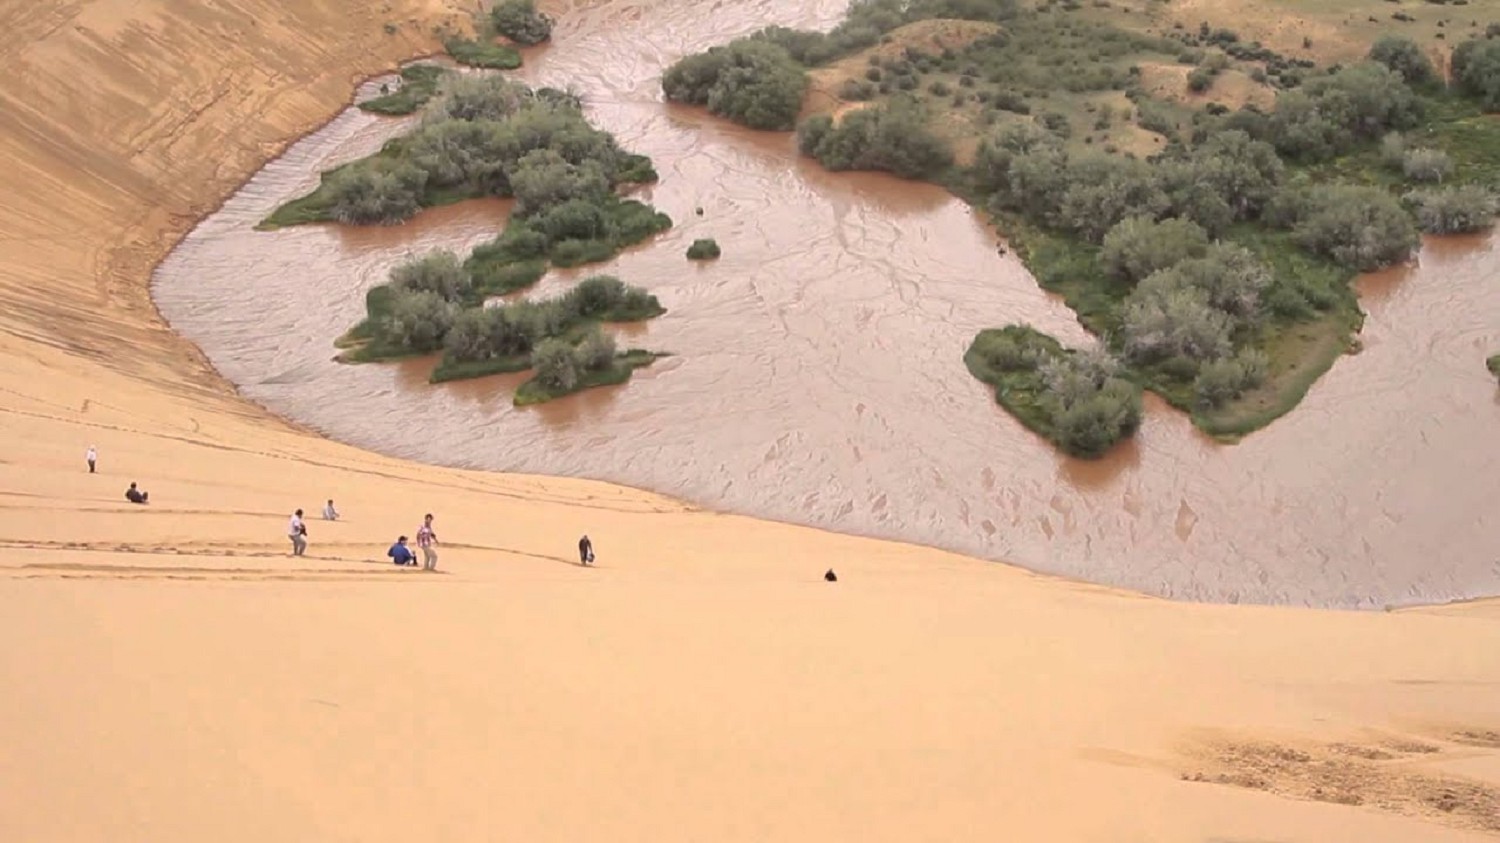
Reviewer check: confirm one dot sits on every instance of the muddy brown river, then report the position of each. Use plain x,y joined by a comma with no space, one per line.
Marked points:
819,379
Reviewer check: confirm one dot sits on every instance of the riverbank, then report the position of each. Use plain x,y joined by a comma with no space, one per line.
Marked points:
191,681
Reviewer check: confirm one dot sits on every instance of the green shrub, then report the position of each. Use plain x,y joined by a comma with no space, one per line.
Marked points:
543,179
1329,114
1454,210
519,21
893,137
1200,79
1426,165
1476,69
1403,56
1139,246
1393,151
1223,380
1168,316
375,195
555,365
703,249
1362,228
595,352
1493,364
417,323
566,253
482,54
750,81
435,272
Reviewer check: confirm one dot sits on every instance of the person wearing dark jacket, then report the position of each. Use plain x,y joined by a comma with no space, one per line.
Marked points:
401,554
585,551
135,495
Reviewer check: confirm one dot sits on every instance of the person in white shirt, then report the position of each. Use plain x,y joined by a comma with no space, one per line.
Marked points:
297,532
329,513
92,456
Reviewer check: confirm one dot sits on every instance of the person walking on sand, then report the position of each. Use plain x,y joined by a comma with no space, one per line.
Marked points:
329,513
426,539
297,532
585,551
92,456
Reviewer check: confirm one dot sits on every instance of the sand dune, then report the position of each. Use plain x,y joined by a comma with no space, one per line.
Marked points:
170,674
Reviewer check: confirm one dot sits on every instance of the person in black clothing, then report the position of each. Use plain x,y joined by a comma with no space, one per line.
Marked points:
135,495
585,551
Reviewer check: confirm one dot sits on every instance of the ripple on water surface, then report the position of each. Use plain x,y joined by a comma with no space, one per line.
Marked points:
819,376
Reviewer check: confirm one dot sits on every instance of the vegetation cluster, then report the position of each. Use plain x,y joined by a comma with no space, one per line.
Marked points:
1215,267
487,136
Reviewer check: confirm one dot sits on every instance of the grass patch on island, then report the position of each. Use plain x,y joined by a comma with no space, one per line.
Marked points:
419,84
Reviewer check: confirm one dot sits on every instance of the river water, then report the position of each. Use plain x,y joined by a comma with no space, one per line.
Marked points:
818,374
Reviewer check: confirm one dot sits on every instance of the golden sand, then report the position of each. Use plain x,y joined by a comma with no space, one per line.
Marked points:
169,673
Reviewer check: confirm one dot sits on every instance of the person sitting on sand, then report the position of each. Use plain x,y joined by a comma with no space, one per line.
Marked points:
329,513
135,495
401,554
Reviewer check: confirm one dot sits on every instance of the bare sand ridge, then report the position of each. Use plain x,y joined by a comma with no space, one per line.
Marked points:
168,674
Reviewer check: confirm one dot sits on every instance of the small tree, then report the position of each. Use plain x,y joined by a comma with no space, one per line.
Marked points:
556,368
1426,165
437,272
1476,69
1403,56
519,21
369,195
595,352
418,321
703,249
1363,228
1139,246
1454,210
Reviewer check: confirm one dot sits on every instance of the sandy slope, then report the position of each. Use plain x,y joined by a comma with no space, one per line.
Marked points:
169,675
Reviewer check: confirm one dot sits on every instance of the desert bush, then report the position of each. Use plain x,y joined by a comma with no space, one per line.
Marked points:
1167,316
1091,409
437,272
1454,210
750,81
555,365
1101,190
1007,352
1493,364
1426,165
1223,380
542,179
519,21
1362,228
703,249
1393,150
857,89
1139,246
992,159
1328,114
1476,70
1241,170
1403,56
1230,277
473,97
375,195
594,297
893,137
417,323
1200,79
595,352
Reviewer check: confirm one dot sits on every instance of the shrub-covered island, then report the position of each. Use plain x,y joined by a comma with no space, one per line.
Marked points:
433,304
1209,246
487,136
